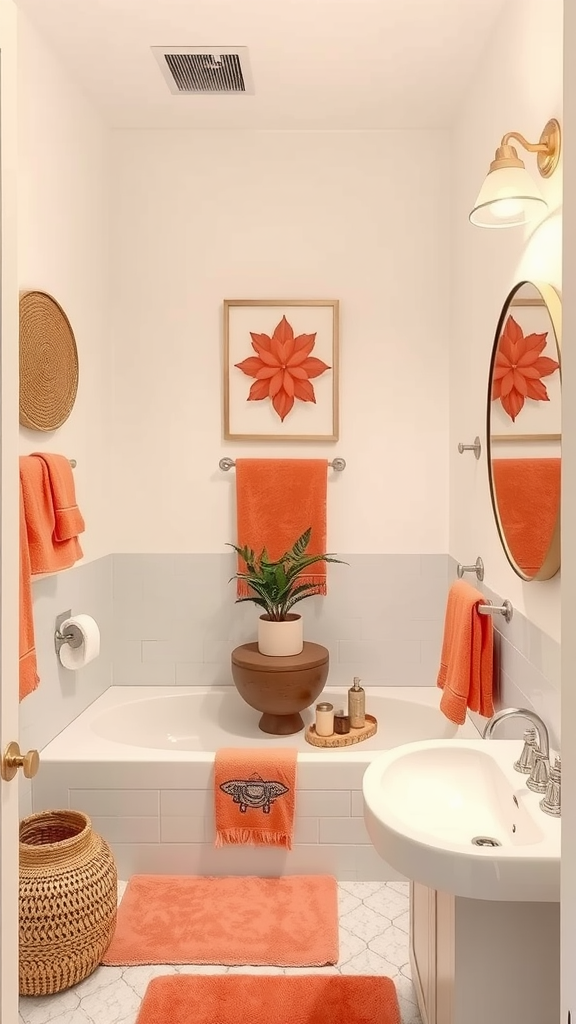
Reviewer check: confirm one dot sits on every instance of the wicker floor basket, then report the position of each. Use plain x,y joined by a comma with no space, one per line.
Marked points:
67,901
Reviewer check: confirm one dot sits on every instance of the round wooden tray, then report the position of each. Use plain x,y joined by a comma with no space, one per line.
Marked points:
336,740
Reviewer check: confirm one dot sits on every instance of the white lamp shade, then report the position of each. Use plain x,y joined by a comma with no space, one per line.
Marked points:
508,196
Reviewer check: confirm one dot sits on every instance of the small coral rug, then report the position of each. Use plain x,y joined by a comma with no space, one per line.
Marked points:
192,919
270,999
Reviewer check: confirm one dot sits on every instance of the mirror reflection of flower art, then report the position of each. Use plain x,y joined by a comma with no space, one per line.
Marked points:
283,367
519,367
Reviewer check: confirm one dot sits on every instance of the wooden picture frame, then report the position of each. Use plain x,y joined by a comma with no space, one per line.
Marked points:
281,369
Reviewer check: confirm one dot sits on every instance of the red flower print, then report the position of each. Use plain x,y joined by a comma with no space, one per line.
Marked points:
282,367
519,367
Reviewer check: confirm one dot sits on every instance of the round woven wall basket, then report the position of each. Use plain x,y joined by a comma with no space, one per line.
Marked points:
48,362
68,897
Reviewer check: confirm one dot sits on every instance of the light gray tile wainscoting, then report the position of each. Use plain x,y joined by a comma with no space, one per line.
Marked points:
63,695
176,622
527,667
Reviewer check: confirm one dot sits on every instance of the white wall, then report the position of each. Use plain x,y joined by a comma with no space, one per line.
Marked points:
203,216
517,87
63,214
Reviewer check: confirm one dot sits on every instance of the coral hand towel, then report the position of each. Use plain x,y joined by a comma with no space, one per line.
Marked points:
276,501
28,675
254,796
466,666
47,552
68,520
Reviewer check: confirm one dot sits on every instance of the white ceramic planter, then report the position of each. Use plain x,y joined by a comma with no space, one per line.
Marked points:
280,639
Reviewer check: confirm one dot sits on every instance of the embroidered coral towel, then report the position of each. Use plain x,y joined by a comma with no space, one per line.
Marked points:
276,501
254,796
68,520
466,664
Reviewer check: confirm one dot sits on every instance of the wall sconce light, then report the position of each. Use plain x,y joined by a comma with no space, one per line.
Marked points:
509,196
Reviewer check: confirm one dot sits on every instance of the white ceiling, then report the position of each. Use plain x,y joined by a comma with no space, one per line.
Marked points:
316,64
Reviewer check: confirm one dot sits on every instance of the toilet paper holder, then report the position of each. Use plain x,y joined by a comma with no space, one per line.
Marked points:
72,636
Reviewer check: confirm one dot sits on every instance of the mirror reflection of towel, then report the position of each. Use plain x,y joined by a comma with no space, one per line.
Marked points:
528,498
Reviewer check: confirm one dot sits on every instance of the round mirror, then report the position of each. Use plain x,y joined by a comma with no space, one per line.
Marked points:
524,429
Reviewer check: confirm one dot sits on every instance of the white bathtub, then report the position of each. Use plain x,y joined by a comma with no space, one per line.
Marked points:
139,762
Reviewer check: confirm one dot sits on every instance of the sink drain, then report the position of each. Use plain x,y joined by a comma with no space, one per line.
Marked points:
485,841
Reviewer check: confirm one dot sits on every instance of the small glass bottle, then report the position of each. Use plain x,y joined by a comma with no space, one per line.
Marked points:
341,723
324,719
357,705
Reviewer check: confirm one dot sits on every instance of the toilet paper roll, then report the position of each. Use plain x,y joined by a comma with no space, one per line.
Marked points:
89,648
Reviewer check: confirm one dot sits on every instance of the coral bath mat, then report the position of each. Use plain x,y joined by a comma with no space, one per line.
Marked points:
192,919
263,999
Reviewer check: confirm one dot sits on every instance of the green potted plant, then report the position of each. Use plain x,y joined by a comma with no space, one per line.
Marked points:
277,586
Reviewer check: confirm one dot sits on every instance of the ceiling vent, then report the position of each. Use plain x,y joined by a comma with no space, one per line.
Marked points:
196,70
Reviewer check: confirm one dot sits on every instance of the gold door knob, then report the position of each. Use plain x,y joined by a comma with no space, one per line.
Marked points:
12,760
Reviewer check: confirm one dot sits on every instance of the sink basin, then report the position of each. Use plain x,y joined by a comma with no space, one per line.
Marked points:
427,805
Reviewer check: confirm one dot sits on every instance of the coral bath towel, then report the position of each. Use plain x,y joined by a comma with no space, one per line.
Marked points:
466,665
48,553
68,519
254,796
269,999
276,501
186,919
528,499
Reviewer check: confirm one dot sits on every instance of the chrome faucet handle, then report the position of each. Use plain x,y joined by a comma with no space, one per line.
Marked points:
552,801
538,781
526,760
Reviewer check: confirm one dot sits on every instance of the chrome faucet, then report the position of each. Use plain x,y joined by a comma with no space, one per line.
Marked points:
539,725
540,773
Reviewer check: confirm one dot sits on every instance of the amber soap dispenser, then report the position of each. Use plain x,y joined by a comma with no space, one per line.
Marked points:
357,705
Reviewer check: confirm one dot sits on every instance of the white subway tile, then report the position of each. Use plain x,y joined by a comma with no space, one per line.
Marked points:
176,829
177,650
305,830
128,829
115,802
371,868
182,802
343,830
323,776
381,653
322,803
145,674
357,803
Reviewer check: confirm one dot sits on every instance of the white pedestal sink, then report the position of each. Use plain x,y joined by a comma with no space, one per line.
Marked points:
425,804
485,921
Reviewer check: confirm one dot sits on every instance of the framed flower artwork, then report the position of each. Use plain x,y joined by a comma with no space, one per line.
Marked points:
280,370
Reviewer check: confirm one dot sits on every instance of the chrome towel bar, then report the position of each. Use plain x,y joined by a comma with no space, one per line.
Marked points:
337,464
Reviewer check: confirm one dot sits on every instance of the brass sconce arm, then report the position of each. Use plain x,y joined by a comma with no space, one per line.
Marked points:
547,148
531,147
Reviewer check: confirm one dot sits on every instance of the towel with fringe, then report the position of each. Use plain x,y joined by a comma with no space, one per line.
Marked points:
254,796
276,501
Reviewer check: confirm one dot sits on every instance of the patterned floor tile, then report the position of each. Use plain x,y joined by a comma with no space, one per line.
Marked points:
373,919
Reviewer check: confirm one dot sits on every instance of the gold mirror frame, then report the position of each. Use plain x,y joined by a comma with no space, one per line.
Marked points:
553,303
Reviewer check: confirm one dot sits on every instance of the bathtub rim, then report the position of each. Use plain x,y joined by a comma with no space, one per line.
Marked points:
64,747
